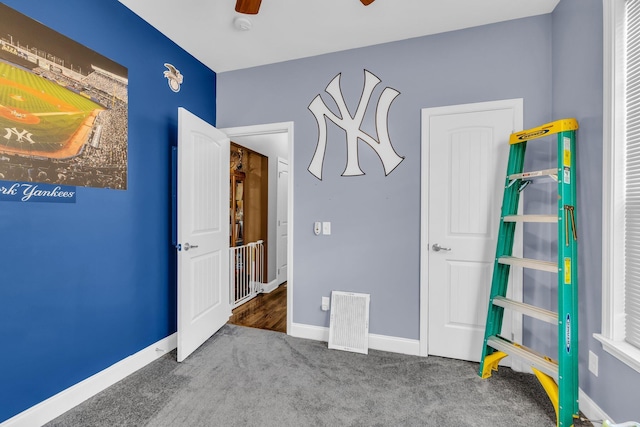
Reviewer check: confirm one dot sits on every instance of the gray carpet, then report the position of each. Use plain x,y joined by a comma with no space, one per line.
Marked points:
249,377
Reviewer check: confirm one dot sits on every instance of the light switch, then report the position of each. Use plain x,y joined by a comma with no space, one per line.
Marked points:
326,228
325,303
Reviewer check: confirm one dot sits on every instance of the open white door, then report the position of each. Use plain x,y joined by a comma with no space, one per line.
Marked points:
466,158
283,223
203,232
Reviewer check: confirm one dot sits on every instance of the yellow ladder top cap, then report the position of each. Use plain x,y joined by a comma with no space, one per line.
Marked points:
547,129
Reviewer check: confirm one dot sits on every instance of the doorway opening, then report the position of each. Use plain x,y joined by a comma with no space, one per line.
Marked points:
248,223
260,205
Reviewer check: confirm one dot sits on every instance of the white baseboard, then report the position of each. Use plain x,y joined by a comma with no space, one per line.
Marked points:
270,287
376,342
60,403
394,344
316,333
589,408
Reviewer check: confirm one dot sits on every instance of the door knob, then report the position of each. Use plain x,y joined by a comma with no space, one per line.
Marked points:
437,248
187,246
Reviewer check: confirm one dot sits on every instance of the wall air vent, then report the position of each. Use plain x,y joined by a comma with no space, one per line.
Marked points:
349,323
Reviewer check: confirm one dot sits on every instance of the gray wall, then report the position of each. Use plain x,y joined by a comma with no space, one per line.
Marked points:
577,91
554,62
374,246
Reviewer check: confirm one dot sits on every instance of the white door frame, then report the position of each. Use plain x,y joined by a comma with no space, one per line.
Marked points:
279,274
516,285
268,129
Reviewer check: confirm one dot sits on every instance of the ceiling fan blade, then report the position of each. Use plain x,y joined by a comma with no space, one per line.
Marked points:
367,2
250,7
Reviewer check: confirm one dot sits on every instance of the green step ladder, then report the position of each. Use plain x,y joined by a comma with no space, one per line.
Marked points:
558,375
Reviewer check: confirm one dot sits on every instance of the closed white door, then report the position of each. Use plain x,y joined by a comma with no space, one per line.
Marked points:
283,222
466,159
203,232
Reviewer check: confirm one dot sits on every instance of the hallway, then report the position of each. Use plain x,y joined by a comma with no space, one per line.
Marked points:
266,311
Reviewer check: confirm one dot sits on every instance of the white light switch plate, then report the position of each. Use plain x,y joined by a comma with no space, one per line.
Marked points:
326,228
593,363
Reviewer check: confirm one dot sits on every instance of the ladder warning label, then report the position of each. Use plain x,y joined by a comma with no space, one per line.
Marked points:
567,340
567,271
567,175
567,151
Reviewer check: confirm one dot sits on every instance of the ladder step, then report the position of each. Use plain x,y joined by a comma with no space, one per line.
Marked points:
527,309
535,264
541,363
535,174
530,218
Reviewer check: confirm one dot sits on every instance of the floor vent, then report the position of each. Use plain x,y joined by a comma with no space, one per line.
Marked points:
349,323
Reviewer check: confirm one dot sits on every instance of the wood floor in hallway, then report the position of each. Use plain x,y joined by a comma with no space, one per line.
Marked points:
266,311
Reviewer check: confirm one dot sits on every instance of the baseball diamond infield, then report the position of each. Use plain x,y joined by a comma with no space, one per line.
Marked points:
60,127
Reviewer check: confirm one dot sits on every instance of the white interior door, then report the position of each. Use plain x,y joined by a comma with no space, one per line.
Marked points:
203,232
466,152
283,223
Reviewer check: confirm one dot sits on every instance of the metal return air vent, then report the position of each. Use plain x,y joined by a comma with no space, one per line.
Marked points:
349,323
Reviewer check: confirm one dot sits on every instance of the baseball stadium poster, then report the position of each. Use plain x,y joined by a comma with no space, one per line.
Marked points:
63,112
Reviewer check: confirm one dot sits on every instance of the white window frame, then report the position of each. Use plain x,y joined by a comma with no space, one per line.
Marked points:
612,336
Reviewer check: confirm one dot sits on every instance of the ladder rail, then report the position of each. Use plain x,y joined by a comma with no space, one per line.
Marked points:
567,277
506,234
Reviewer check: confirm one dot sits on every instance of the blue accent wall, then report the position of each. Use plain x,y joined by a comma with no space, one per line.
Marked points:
85,285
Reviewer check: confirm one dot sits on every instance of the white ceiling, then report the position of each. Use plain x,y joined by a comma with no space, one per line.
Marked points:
291,29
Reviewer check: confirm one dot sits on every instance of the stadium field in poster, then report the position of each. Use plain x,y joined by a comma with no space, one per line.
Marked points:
63,108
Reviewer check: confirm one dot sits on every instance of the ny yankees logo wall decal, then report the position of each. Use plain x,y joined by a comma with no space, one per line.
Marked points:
351,125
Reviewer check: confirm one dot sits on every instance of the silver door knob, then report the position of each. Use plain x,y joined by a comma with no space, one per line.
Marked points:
437,248
187,246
